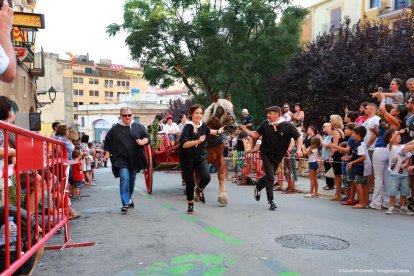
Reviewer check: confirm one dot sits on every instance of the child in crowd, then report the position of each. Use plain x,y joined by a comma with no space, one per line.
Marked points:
87,168
349,186
313,153
360,167
398,180
77,173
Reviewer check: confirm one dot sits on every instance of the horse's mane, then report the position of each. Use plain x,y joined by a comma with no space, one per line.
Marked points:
211,110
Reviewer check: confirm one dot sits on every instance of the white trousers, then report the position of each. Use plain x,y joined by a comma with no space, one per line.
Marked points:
380,160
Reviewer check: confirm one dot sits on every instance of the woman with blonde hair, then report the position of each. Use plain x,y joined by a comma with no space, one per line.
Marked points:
338,137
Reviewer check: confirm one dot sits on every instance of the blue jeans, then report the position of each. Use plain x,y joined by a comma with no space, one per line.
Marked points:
126,184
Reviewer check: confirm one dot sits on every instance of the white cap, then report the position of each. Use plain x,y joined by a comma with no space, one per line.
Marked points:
245,111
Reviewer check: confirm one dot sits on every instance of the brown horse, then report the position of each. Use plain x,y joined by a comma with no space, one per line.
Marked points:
220,113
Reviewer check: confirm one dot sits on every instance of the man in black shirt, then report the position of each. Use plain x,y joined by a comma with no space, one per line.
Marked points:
125,143
276,136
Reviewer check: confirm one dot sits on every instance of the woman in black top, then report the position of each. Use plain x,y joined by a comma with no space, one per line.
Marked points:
193,154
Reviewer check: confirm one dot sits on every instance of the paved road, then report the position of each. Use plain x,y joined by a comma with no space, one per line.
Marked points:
159,238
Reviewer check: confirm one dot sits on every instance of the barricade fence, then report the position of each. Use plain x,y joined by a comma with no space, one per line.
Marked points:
34,174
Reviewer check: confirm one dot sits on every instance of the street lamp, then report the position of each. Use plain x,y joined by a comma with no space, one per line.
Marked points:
52,97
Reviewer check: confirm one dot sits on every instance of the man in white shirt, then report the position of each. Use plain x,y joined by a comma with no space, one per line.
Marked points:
7,54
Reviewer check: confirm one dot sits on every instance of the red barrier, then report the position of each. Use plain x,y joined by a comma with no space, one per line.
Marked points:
253,168
40,177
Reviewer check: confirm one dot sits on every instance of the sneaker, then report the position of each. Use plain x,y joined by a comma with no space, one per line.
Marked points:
131,203
256,193
190,209
200,195
272,206
405,211
390,211
372,206
124,209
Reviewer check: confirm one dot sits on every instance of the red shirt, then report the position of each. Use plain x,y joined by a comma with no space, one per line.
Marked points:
77,171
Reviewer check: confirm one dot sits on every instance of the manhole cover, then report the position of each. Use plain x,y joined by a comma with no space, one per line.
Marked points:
310,241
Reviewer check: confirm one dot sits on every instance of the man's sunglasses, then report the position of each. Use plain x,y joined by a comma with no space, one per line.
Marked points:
126,115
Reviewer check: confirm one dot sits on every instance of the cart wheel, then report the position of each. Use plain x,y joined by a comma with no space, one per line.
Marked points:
148,173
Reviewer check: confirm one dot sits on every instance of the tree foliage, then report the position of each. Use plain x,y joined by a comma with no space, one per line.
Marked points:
220,47
341,68
178,107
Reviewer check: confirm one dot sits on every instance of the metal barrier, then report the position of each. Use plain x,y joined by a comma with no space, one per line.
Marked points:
38,180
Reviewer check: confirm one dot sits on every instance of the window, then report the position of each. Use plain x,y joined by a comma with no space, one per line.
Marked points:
75,104
88,70
109,94
75,116
75,80
83,121
80,80
335,18
127,83
80,92
374,4
90,81
80,103
96,81
400,4
93,93
75,92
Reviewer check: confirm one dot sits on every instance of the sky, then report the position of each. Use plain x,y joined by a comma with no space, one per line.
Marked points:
79,27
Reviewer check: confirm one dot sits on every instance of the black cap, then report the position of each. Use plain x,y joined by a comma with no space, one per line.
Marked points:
273,108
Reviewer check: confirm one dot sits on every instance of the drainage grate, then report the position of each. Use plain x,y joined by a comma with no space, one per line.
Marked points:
310,241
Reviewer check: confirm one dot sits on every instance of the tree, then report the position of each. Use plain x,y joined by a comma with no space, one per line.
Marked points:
341,68
178,107
215,47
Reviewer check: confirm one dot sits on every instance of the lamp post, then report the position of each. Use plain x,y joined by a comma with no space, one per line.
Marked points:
52,97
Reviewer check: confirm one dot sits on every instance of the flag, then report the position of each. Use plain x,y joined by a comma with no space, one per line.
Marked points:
116,67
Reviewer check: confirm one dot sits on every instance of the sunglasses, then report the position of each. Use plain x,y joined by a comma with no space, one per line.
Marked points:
126,115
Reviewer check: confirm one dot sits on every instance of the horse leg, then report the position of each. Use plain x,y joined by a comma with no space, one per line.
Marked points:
222,198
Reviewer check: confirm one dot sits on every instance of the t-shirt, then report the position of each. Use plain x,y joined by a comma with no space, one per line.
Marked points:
368,124
360,149
247,120
398,98
4,60
172,127
313,157
326,151
77,171
397,158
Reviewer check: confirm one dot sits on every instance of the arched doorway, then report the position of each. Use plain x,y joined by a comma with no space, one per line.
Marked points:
101,128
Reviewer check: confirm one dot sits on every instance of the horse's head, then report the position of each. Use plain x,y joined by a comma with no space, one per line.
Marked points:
221,113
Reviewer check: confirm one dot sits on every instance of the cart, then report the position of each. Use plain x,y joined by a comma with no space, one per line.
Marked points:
163,159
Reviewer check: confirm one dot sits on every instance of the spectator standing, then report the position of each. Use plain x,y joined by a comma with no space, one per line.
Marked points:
362,116
298,117
410,86
313,152
338,137
77,173
395,96
398,163
54,127
276,138
326,151
247,119
287,114
125,143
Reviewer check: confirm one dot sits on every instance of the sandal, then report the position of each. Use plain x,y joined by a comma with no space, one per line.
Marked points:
309,196
200,195
358,206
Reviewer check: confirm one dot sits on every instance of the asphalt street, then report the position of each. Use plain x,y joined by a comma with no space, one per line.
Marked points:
157,237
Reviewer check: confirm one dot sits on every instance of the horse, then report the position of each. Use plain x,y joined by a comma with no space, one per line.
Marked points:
218,114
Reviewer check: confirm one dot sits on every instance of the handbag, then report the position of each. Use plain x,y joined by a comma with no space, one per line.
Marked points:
330,173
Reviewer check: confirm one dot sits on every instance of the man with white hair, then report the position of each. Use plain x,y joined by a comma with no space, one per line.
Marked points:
247,119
